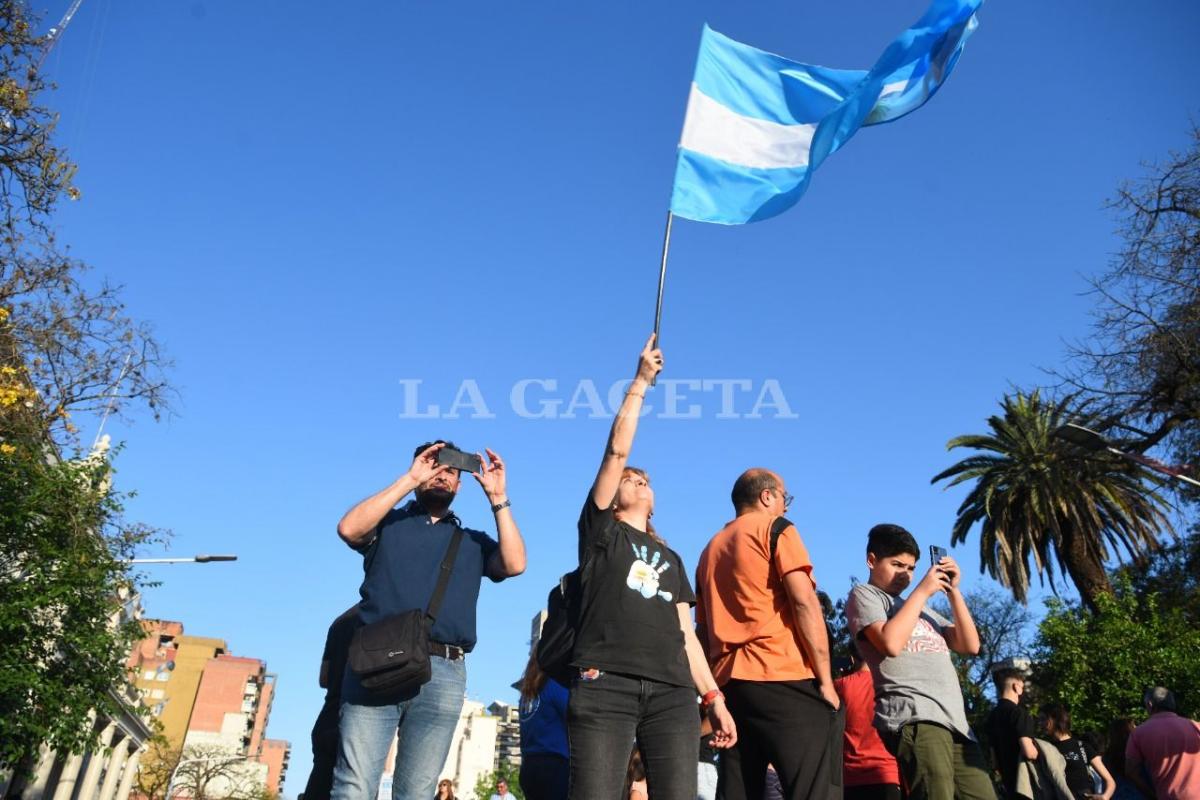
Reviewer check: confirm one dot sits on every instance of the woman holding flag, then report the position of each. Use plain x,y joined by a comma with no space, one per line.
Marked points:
639,663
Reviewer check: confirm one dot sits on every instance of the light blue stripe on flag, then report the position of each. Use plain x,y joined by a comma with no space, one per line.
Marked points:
758,124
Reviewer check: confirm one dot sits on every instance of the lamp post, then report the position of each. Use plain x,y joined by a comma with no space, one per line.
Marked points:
1092,440
197,559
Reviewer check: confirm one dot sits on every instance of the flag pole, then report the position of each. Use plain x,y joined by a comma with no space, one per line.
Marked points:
662,278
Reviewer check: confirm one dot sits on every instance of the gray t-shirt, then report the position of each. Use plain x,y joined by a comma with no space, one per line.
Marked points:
920,684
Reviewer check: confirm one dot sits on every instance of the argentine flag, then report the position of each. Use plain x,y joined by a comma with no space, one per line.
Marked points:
757,125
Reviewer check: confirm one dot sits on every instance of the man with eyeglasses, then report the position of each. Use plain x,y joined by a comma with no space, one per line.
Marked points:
760,621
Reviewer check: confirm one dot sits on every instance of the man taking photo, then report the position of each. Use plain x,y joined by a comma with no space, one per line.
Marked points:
402,550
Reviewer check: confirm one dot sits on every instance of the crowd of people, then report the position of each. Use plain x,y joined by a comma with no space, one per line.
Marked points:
740,703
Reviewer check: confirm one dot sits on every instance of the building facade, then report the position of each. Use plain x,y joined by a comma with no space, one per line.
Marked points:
213,707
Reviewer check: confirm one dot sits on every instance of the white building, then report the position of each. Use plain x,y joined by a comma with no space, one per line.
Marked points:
472,753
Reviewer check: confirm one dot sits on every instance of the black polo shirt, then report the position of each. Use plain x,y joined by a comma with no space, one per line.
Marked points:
401,565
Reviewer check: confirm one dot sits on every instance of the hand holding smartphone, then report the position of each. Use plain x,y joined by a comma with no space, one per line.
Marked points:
936,554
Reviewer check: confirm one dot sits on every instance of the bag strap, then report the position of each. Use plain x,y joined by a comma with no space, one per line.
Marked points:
435,602
780,525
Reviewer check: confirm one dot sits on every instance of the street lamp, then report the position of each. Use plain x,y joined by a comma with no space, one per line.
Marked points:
199,559
1094,441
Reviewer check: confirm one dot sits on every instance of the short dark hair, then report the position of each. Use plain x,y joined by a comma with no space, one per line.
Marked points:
1002,676
749,485
427,445
886,540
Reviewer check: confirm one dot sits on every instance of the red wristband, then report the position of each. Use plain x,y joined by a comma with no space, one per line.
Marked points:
709,697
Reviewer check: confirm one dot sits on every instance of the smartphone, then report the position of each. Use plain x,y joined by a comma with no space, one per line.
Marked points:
463,462
936,554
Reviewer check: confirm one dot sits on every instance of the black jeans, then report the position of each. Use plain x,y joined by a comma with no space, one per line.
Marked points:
544,776
789,725
324,753
604,717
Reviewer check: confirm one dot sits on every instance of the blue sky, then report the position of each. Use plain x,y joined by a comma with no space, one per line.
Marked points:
313,203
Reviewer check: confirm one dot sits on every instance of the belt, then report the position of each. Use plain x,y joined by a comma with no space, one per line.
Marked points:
448,651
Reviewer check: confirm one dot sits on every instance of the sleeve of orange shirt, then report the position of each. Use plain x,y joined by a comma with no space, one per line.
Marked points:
791,554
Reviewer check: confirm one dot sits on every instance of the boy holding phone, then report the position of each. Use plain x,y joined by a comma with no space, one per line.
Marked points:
919,709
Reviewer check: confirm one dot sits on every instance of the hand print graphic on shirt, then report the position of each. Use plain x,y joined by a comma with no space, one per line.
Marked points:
644,572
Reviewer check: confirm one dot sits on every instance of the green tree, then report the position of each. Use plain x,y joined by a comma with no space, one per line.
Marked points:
65,348
837,627
1004,627
485,785
69,346
1039,499
1172,573
1099,664
63,575
1141,365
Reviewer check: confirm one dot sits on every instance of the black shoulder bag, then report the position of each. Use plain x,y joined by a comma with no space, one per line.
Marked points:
391,656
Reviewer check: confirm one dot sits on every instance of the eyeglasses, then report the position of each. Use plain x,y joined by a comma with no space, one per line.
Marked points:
787,498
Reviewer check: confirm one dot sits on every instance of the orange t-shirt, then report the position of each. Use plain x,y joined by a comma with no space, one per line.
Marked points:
743,605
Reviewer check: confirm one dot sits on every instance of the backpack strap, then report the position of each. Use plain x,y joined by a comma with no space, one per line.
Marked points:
780,525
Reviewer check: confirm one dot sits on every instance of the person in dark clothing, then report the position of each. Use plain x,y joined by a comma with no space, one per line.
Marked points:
1010,728
325,730
1056,722
545,765
639,664
403,547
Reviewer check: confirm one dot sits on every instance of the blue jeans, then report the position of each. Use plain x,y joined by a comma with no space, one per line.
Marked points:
425,722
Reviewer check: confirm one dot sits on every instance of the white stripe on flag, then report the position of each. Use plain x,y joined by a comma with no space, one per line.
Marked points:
713,130
893,88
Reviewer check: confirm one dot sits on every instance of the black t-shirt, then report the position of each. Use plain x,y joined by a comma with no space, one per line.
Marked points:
1005,726
628,621
1078,755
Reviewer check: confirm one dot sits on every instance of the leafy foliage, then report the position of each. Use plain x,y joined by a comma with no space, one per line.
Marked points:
63,576
69,347
1004,626
1099,664
485,785
1142,363
1038,498
36,172
837,627
65,348
1173,574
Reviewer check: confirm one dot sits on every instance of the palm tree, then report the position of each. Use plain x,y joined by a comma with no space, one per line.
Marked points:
1037,496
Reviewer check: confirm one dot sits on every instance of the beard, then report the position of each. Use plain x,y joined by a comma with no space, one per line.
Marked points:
436,497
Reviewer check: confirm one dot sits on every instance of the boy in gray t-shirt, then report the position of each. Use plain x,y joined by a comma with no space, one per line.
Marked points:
918,702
